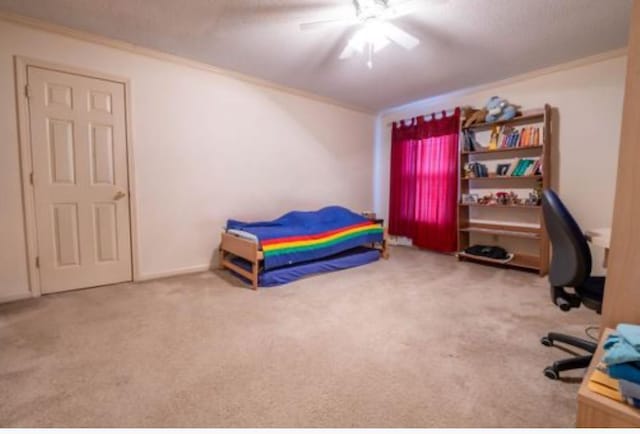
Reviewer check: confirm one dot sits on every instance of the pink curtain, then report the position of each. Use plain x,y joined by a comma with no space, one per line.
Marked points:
403,187
423,190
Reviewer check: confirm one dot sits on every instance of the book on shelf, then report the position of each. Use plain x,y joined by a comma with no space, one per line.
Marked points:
522,138
534,169
479,170
525,167
518,168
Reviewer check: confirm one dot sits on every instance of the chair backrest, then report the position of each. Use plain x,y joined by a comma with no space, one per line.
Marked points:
571,257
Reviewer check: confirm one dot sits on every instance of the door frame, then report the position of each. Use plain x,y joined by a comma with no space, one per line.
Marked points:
21,64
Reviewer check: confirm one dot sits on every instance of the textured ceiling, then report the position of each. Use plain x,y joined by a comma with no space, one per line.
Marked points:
463,42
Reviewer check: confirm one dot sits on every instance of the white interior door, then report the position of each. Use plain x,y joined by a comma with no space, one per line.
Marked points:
80,177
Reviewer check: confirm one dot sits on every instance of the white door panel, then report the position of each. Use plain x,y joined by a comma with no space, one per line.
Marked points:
79,154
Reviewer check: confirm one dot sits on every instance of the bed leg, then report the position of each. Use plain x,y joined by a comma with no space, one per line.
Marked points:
254,274
385,245
220,257
385,250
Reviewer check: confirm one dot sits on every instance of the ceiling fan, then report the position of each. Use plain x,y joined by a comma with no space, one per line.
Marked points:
375,31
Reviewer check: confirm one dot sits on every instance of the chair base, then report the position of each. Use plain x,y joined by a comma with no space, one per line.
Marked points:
553,371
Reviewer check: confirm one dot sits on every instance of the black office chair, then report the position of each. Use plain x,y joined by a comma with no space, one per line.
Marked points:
570,267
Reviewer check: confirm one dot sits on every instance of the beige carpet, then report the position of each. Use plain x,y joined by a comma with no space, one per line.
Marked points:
420,340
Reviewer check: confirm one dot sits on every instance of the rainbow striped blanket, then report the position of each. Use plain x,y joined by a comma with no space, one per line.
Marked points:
300,236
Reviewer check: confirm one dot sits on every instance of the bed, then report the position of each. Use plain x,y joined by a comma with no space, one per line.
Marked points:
300,243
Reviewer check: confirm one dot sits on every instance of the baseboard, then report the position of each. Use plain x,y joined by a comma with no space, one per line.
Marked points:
175,272
400,241
15,297
8,298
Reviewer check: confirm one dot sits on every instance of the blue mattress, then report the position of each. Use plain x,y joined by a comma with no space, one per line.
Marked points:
279,276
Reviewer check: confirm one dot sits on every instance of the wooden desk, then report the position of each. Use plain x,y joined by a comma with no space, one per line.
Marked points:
602,238
597,411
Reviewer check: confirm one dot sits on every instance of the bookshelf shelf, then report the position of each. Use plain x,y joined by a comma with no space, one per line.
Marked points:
529,262
500,178
502,150
482,205
529,244
529,117
506,230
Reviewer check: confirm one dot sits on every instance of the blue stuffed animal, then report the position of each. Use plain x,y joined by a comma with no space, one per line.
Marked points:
499,109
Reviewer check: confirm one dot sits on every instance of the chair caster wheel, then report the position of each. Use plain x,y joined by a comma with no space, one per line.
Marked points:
546,341
551,373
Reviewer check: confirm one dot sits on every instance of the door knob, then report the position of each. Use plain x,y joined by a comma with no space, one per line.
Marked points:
119,195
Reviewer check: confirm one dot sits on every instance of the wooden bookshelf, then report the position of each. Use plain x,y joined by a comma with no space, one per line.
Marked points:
533,239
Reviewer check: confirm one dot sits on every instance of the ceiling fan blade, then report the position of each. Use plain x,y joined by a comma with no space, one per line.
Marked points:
348,52
315,25
327,57
283,11
283,7
400,37
401,8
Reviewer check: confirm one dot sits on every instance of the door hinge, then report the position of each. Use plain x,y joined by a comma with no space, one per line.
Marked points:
31,178
27,91
37,261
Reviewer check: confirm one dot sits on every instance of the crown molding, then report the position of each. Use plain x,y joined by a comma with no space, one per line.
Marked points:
85,36
445,97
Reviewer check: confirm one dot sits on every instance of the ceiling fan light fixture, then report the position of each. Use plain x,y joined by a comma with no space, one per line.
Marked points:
367,9
375,32
371,34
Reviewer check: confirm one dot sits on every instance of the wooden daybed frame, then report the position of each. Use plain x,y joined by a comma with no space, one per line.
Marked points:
231,244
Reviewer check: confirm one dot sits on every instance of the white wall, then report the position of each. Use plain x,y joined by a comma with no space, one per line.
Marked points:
588,100
207,147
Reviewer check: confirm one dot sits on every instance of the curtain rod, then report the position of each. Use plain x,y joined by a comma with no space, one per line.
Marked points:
449,112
